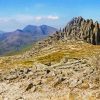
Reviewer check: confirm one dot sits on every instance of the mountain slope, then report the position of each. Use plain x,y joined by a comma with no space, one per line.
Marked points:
56,72
14,41
60,67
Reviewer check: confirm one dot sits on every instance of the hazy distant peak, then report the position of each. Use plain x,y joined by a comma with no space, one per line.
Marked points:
12,41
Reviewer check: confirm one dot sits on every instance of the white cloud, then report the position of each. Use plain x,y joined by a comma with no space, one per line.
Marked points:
18,21
38,18
52,17
3,20
24,18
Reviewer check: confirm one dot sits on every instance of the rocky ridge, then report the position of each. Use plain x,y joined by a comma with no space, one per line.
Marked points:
79,29
52,76
60,67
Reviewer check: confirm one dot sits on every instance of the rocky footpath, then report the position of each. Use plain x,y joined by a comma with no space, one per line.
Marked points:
71,79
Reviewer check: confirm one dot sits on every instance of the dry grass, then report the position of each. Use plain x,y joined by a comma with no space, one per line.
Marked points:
70,51
53,57
54,54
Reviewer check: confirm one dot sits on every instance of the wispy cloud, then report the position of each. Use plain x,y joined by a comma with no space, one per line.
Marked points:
53,17
27,18
14,22
38,18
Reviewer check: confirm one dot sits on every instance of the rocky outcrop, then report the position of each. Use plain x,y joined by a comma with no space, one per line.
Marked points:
80,29
56,68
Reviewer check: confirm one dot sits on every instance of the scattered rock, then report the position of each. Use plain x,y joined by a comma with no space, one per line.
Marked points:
84,86
64,60
57,82
29,87
47,71
51,81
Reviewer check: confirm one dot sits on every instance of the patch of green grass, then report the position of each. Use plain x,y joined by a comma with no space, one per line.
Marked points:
53,57
28,62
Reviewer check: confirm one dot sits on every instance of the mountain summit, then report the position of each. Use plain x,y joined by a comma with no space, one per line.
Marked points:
80,29
14,41
40,30
60,67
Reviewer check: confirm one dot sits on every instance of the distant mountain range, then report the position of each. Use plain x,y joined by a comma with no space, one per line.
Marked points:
14,41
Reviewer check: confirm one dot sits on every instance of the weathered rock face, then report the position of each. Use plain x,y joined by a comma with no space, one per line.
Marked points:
80,29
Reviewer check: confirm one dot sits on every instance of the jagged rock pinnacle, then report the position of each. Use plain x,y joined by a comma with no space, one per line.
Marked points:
80,29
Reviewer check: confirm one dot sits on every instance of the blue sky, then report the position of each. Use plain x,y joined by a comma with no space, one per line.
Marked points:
19,13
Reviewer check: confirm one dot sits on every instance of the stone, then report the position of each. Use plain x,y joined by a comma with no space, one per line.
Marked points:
84,85
73,82
64,60
29,86
57,82
47,71
98,95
